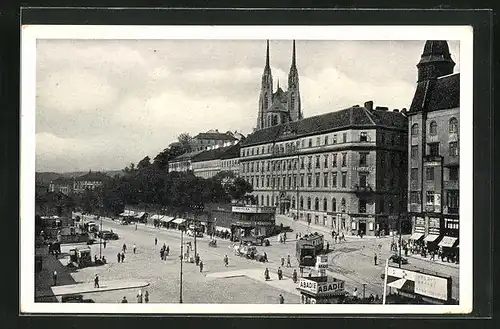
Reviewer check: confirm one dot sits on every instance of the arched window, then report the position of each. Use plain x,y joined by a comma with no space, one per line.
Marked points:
293,202
334,205
301,203
267,200
433,128
414,129
325,204
309,203
342,205
453,126
316,204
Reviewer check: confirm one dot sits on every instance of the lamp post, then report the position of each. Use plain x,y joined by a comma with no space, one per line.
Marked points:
100,239
400,244
181,258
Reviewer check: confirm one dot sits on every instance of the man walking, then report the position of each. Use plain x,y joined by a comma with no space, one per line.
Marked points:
124,248
118,256
104,243
288,262
201,266
294,276
135,247
124,300
123,256
146,297
280,273
281,299
226,261
96,281
54,277
282,261
167,250
327,246
156,241
375,259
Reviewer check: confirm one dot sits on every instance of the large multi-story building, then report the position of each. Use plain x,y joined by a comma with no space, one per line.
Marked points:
281,106
209,163
89,181
346,170
433,148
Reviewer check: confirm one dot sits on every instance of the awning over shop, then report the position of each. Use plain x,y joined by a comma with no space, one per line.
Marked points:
416,236
431,238
157,217
179,220
447,241
127,213
139,215
398,284
220,228
167,219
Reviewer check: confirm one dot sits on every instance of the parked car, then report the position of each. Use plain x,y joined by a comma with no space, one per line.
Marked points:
395,259
191,233
108,235
123,222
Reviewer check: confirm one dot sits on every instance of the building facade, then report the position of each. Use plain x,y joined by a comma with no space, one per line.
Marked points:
89,181
210,162
433,148
63,185
281,106
183,162
345,170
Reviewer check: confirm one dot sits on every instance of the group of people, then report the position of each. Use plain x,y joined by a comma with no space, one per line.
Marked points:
282,237
288,261
223,234
139,297
164,251
338,237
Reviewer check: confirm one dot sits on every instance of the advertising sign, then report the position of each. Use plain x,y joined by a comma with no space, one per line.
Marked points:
431,286
308,285
321,262
321,288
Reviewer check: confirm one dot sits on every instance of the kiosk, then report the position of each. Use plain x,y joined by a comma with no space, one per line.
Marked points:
321,290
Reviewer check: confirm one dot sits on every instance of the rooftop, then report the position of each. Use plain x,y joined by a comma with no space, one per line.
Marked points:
438,94
354,116
215,136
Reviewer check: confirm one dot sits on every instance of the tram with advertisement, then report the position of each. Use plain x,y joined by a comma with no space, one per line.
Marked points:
307,247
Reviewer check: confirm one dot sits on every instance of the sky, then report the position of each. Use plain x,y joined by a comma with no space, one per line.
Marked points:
102,104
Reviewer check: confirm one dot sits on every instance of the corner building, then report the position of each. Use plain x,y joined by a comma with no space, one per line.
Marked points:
433,149
346,170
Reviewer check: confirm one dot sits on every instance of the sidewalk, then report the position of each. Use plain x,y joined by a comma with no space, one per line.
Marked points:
437,261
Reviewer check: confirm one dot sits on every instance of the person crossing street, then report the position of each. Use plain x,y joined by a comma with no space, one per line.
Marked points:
135,247
96,281
288,262
226,261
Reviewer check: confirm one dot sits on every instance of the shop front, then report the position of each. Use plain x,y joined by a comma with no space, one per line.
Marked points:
321,290
363,226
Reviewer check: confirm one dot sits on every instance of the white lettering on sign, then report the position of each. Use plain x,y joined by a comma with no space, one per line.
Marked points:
401,273
308,285
330,287
431,286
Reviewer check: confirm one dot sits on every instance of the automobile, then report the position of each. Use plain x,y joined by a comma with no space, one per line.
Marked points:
191,233
108,235
123,222
255,241
395,259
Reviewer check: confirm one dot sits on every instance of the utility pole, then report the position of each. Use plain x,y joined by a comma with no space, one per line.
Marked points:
400,244
181,258
364,289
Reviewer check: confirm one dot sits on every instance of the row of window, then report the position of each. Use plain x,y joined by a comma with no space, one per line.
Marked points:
452,127
320,180
434,149
289,164
230,163
430,174
452,199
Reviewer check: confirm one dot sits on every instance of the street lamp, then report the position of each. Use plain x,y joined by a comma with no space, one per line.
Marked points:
181,258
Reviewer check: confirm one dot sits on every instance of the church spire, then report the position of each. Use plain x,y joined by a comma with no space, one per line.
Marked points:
294,64
267,67
435,60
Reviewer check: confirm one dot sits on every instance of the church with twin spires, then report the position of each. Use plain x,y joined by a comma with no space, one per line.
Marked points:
281,106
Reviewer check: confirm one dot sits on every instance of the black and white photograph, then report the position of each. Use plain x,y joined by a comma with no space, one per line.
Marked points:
225,169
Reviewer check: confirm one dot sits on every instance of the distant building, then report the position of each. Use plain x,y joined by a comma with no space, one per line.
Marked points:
345,170
63,185
211,138
89,181
433,148
209,163
182,163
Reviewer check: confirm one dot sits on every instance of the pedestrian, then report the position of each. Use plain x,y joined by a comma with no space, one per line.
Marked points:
266,274
167,250
281,299
135,247
104,243
123,256
54,277
226,261
201,266
375,259
118,256
335,239
343,236
288,262
280,273
333,234
197,259
156,241
162,254
146,297
139,297
355,293
96,281
327,246
124,300
282,261
124,247
265,257
296,236
294,276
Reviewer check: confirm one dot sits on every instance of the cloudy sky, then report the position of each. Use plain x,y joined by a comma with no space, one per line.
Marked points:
102,104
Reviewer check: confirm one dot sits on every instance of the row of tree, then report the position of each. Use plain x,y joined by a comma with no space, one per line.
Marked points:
151,184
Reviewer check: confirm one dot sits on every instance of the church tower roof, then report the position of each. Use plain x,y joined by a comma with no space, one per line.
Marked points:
435,60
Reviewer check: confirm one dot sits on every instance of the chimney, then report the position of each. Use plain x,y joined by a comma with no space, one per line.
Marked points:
381,108
355,105
369,105
403,110
216,130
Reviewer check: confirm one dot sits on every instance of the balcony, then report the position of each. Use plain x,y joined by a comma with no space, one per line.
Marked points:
362,188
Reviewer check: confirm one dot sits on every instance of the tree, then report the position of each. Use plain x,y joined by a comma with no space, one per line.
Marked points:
186,142
239,188
144,163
